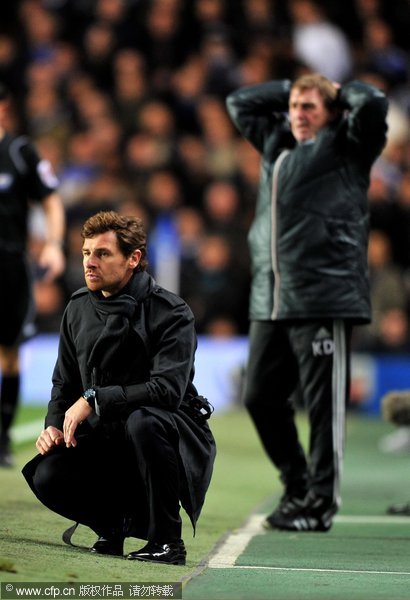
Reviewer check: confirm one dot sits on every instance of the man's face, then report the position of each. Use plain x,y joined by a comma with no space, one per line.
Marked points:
307,113
106,269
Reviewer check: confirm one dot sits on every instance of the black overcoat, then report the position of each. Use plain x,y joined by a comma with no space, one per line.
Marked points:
137,349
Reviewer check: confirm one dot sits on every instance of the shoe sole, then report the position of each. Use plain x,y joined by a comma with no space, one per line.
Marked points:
94,551
177,561
298,525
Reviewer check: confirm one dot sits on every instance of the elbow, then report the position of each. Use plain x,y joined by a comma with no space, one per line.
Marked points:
167,395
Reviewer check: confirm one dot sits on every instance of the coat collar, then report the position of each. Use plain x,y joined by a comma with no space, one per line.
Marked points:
139,287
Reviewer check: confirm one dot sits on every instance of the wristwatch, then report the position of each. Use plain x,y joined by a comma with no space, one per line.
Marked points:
90,396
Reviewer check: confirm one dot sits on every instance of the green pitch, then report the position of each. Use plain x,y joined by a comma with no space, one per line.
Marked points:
354,560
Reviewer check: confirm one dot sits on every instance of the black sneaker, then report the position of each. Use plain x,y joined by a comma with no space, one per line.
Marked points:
288,508
311,514
320,511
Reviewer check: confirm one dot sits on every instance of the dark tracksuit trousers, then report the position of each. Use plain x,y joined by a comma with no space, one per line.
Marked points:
314,356
104,481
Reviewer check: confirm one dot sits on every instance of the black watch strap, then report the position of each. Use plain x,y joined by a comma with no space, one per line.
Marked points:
90,395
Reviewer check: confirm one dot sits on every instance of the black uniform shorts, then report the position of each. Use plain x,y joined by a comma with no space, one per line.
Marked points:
16,306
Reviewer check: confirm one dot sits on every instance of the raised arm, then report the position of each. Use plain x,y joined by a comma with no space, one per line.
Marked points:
256,110
366,116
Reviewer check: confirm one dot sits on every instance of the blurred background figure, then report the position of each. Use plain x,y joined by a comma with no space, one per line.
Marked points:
24,177
318,44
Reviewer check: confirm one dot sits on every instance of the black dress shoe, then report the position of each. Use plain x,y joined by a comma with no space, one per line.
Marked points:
173,553
105,545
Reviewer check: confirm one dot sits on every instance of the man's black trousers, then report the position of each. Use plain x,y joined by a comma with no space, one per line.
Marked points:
312,358
132,475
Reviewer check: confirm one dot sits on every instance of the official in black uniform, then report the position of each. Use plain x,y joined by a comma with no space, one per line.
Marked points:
24,178
308,242
126,438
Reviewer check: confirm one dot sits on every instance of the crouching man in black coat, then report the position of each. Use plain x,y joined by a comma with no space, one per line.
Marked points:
126,440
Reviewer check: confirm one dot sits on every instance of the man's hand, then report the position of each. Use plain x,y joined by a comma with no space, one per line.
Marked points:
75,415
52,260
48,439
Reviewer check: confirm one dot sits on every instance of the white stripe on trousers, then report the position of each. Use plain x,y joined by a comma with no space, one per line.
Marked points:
338,403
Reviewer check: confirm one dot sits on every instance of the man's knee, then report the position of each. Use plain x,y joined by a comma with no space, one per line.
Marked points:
46,477
143,428
264,402
253,396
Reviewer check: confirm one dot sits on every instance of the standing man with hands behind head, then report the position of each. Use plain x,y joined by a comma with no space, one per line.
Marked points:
308,243
126,438
24,177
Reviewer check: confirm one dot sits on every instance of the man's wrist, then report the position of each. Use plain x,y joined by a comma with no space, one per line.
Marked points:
52,242
90,396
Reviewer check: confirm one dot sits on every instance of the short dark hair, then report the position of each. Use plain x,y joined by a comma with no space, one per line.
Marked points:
130,233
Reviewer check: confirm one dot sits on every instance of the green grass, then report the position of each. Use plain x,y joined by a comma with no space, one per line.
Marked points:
30,413
356,560
30,535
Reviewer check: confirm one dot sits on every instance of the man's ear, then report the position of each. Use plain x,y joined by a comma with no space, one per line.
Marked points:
336,107
135,258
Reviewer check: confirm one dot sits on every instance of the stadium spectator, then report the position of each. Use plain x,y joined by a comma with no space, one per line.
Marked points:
388,331
319,44
184,55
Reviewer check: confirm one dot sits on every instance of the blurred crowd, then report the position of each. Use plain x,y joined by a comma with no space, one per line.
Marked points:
126,98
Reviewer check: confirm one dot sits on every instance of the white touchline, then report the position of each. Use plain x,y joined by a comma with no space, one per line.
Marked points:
312,570
376,519
236,543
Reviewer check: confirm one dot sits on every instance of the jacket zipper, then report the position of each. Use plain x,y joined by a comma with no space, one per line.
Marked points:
274,241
